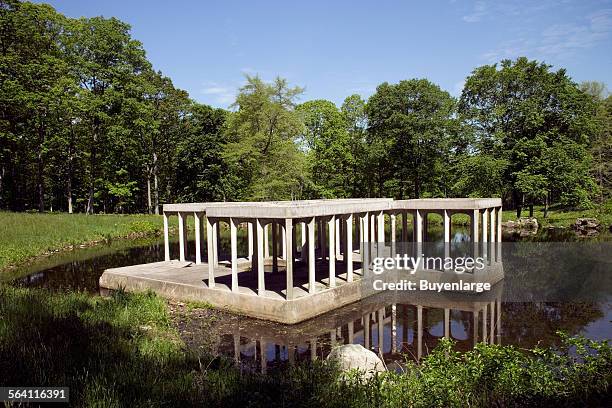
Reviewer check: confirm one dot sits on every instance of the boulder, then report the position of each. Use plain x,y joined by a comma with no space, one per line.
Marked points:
583,224
356,357
523,223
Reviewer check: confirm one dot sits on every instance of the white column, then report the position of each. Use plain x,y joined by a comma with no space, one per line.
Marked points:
499,224
418,228
210,243
338,236
181,221
266,243
365,253
304,255
381,228
405,227
485,228
332,251
311,256
322,238
250,238
274,246
372,224
447,323
348,255
198,244
492,226
393,222
288,243
283,231
216,236
475,220
261,282
234,250
447,226
166,239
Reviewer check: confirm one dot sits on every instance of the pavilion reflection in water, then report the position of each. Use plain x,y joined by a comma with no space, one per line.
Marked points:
394,325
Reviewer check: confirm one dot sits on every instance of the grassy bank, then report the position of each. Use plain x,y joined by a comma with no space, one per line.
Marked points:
24,236
560,217
125,351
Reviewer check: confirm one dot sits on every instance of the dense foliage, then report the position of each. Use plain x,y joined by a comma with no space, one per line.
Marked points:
125,351
87,125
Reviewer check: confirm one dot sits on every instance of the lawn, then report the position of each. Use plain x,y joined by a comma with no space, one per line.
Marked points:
560,217
25,235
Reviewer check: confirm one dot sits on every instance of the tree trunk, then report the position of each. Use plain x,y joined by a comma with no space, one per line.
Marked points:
530,210
92,170
41,169
155,185
70,169
148,170
546,205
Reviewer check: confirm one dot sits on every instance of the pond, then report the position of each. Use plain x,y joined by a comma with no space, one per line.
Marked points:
388,323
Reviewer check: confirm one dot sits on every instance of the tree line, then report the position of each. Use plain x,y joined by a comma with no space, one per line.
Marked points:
87,124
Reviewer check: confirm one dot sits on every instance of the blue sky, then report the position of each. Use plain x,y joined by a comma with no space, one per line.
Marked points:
337,48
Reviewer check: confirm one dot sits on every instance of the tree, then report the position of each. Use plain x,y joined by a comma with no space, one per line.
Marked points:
353,110
328,149
105,59
202,173
262,136
409,125
519,111
601,143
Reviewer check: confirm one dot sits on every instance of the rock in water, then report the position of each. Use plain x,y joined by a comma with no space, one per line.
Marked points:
355,356
582,224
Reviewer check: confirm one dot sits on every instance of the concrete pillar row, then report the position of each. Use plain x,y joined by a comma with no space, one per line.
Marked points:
198,231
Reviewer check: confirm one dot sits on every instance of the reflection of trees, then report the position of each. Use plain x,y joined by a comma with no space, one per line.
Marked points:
527,324
556,271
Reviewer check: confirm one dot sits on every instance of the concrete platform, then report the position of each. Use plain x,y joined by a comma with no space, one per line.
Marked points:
186,281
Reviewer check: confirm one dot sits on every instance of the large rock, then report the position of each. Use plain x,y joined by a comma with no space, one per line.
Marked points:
523,223
355,356
582,224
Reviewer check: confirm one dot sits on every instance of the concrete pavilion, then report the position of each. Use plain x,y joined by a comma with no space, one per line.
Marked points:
299,258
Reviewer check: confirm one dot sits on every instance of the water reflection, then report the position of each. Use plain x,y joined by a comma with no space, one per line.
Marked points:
393,325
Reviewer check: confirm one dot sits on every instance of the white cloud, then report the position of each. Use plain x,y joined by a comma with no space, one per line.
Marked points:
559,41
479,11
219,94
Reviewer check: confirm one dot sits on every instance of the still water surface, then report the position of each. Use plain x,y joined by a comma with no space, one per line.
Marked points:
263,345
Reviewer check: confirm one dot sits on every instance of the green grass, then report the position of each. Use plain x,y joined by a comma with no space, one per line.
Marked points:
124,351
560,217
25,235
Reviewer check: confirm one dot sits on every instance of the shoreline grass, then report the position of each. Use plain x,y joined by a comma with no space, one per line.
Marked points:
125,351
24,236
